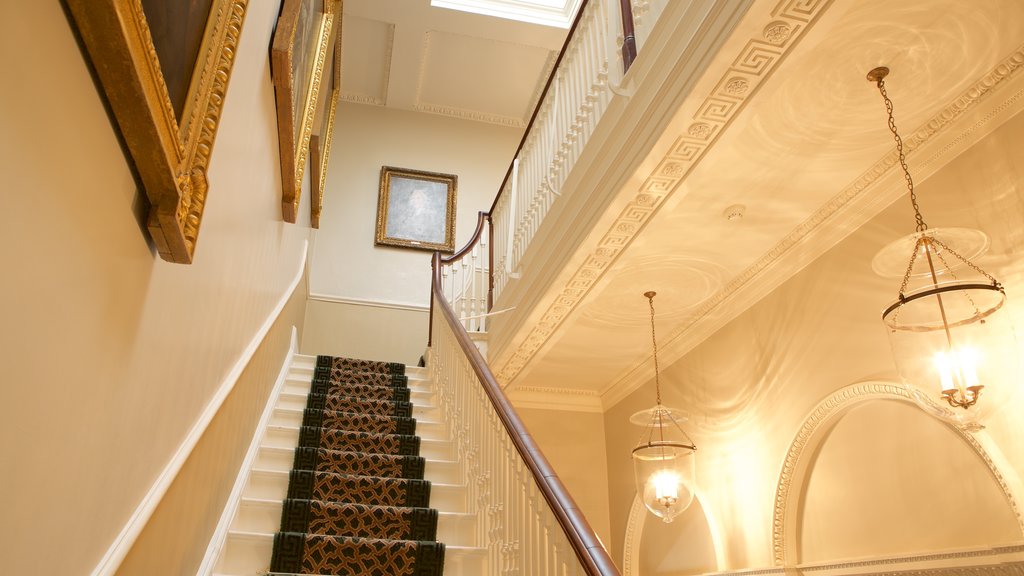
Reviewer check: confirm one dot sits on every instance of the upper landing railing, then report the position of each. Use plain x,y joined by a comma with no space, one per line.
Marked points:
527,520
598,50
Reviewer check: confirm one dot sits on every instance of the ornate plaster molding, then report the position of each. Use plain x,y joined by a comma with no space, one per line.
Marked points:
967,101
571,399
465,114
752,66
634,535
789,490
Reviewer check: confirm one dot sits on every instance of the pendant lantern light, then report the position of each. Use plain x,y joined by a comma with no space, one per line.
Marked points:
947,326
663,459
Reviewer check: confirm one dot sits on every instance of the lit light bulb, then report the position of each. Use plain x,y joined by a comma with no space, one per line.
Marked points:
958,375
666,487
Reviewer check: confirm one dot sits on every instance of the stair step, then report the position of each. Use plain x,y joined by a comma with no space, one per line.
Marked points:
264,515
248,554
273,485
288,437
297,400
421,394
426,429
281,459
250,540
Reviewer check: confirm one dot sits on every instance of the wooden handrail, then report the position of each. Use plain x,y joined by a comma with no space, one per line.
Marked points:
584,541
481,219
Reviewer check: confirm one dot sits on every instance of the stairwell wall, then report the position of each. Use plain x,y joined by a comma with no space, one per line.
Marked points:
880,479
356,287
111,354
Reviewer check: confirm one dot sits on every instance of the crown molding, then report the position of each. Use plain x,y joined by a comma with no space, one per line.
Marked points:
959,125
759,58
570,399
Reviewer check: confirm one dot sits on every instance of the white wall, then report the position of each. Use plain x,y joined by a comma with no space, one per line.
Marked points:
881,478
109,353
346,265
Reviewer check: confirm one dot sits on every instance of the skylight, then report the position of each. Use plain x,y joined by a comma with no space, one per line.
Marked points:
556,13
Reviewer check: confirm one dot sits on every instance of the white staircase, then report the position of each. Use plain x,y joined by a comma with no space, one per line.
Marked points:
249,543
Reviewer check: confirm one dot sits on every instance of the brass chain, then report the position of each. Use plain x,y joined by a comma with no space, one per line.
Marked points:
654,341
921,226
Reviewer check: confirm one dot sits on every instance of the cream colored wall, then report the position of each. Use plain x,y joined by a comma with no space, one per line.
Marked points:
573,442
364,331
110,354
346,265
176,538
887,479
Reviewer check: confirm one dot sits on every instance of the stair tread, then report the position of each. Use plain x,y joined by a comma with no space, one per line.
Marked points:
271,502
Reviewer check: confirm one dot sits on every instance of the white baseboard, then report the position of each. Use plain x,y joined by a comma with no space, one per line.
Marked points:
124,541
220,535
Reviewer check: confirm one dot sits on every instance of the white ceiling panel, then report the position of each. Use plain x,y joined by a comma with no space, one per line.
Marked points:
481,79
366,59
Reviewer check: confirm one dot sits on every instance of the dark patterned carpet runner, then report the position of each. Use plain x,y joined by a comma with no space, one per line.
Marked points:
357,503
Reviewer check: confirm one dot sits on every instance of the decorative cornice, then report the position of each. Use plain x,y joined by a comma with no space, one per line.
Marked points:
361,99
571,399
474,115
789,491
969,99
755,62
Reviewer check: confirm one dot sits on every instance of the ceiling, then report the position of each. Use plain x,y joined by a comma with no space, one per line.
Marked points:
805,150
409,55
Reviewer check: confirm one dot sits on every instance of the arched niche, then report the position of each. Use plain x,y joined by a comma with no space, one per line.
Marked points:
871,439
684,546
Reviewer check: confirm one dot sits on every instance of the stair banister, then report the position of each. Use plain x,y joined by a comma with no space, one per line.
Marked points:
593,558
574,99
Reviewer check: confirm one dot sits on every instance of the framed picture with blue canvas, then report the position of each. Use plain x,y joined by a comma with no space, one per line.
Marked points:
416,209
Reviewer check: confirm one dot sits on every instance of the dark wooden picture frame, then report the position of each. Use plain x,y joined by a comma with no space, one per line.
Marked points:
416,209
298,56
169,132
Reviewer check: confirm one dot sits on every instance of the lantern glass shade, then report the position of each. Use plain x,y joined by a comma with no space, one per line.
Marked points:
664,467
954,349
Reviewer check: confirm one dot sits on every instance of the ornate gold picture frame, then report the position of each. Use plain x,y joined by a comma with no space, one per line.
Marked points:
323,129
167,98
297,60
416,209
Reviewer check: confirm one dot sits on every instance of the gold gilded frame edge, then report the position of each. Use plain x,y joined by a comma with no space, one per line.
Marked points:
171,157
295,151
320,144
381,238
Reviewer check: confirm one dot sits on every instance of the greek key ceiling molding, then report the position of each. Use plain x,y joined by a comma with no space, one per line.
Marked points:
756,61
969,99
789,491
